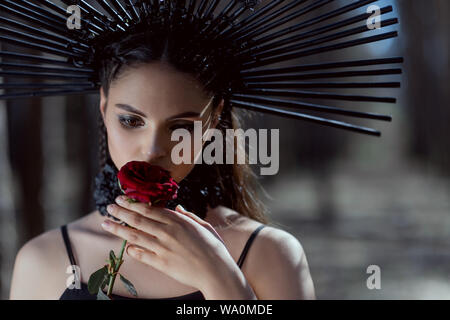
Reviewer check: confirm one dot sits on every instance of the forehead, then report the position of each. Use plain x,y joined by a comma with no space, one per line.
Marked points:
159,89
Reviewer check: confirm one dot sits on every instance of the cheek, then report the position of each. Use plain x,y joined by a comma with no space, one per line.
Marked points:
180,171
120,147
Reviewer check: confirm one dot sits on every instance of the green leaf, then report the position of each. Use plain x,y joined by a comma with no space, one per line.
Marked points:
112,255
105,281
101,295
128,285
96,279
112,259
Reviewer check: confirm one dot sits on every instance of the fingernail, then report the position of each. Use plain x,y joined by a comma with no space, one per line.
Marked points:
106,224
110,208
181,207
134,250
120,199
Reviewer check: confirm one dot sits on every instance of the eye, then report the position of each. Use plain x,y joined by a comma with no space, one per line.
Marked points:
187,126
130,122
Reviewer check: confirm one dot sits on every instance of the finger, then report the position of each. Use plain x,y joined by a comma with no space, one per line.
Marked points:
179,208
138,221
144,209
134,248
145,256
207,225
134,236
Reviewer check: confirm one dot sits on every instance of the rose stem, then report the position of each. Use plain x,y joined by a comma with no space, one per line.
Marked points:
116,269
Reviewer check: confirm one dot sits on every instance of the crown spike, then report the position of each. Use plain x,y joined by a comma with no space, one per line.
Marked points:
323,66
266,19
20,66
33,58
324,75
296,115
46,93
37,11
275,24
309,33
331,85
132,9
118,20
49,14
323,49
202,8
49,17
258,13
21,74
324,17
312,107
120,8
92,14
218,29
31,17
219,19
213,5
317,95
32,39
21,86
191,7
32,31
309,43
44,48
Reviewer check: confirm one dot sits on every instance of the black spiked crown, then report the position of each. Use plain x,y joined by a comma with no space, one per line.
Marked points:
233,44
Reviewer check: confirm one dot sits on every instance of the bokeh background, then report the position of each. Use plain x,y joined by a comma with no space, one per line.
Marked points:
352,200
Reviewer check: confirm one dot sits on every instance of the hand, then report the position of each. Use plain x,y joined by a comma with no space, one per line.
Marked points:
177,243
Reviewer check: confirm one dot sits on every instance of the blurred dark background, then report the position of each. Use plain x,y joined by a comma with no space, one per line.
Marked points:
352,200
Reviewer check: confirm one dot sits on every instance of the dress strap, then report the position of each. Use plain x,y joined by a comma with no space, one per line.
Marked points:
65,236
248,244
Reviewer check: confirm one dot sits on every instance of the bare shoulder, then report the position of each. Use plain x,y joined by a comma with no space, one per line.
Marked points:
277,267
278,241
39,267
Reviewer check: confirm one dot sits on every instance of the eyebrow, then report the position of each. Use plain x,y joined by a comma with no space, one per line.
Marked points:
129,108
126,107
189,114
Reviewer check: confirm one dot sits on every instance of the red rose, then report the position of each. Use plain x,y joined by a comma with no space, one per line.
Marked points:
144,182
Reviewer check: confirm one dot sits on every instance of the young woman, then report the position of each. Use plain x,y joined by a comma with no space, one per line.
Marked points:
146,93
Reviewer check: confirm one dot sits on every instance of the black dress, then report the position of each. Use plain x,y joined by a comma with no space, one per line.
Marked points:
83,292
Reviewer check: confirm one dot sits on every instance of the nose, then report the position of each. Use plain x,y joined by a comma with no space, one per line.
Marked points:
154,150
153,155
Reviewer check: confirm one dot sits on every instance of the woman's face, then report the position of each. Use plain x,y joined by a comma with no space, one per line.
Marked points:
144,106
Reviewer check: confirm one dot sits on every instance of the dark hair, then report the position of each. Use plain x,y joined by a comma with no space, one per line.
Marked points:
231,185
